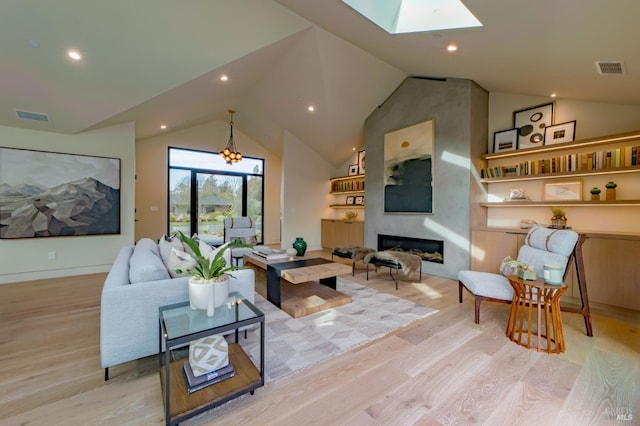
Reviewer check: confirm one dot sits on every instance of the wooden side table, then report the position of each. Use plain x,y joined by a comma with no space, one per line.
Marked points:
546,299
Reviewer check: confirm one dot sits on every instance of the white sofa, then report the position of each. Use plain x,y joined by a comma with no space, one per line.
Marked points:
129,311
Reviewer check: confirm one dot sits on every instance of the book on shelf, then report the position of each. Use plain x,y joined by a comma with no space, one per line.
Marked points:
195,383
585,161
270,253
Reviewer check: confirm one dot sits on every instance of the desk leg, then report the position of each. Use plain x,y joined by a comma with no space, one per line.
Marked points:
273,286
539,330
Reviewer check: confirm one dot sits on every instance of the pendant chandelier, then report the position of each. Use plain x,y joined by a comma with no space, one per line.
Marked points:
230,153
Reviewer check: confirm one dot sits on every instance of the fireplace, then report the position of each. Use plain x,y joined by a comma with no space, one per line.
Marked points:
428,250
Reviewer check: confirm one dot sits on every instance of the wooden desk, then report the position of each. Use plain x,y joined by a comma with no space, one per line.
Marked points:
546,299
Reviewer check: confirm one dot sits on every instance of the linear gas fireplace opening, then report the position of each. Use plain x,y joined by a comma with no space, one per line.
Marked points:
429,250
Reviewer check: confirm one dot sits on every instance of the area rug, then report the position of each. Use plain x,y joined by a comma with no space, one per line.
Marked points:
293,344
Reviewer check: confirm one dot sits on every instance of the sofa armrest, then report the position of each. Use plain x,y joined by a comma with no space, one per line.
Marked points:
244,282
129,317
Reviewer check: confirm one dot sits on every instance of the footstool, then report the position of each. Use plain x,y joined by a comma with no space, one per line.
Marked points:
395,260
355,253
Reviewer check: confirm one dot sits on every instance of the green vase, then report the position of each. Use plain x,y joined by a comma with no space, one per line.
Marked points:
300,245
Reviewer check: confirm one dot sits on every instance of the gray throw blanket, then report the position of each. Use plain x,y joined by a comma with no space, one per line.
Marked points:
410,263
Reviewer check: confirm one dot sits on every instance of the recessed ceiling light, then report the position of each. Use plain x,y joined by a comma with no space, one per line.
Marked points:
74,54
311,108
553,95
224,77
452,48
164,126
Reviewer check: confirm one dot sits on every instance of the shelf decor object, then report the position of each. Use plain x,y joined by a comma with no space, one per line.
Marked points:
408,169
570,190
560,133
611,190
531,124
361,161
558,220
505,140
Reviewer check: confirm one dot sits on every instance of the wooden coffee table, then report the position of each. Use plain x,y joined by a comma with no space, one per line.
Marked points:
301,286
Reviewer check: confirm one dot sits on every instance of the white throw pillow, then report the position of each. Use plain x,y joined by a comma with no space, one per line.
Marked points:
166,244
205,249
179,259
226,255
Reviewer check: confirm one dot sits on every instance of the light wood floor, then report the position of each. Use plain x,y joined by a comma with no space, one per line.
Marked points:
442,370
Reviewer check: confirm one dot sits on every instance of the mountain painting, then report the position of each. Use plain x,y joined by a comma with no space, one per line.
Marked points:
50,194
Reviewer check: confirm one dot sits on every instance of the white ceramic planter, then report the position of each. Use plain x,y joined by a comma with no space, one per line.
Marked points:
201,292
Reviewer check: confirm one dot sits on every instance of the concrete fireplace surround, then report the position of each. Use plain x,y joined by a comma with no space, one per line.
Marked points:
459,109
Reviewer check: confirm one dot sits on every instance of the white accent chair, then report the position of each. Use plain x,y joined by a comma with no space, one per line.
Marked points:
243,228
541,245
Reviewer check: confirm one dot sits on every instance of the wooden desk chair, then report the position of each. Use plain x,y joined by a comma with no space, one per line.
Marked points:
243,228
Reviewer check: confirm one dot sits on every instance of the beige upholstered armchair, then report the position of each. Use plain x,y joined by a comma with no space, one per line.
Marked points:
243,228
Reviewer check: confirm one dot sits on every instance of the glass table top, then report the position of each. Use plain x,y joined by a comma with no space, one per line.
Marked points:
180,320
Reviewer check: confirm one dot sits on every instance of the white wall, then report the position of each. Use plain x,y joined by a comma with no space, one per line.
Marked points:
27,259
305,193
592,118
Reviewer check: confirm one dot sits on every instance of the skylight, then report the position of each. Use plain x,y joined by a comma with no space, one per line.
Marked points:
408,16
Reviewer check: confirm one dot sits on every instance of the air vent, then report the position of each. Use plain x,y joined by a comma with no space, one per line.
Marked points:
610,67
33,116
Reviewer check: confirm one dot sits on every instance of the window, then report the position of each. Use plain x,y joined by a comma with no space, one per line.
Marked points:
203,190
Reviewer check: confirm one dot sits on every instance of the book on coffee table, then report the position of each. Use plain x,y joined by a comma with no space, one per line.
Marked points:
195,383
270,253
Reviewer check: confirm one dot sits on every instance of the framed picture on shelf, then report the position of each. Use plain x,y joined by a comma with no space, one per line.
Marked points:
559,133
505,140
531,124
563,191
350,199
359,200
361,163
353,169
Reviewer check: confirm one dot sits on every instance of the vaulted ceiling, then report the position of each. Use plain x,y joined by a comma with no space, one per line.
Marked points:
159,61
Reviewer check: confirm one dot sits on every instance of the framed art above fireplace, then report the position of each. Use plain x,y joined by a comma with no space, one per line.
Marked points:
408,169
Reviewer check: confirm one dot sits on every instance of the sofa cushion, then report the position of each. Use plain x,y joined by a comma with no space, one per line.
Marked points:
165,244
145,265
147,244
205,249
179,259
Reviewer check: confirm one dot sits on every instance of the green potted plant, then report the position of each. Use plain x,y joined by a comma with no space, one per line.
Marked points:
595,193
611,190
558,220
209,281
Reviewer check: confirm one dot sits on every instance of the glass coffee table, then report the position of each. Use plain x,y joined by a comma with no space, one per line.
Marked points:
179,325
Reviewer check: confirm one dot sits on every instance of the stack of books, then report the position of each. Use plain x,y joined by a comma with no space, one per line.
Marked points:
195,383
269,253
